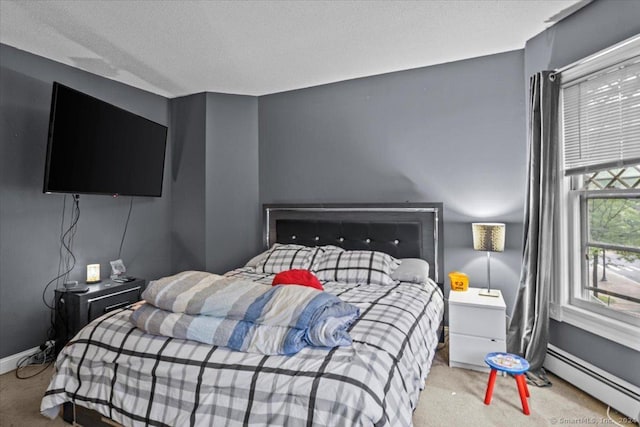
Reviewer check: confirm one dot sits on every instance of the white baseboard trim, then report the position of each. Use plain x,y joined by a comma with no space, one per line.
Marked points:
10,363
615,392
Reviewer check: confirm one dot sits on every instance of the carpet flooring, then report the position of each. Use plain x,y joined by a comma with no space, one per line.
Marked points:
452,397
455,397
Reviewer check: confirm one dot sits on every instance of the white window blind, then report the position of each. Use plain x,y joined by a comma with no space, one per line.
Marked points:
601,114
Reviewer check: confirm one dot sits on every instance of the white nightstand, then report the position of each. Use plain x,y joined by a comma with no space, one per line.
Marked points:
477,326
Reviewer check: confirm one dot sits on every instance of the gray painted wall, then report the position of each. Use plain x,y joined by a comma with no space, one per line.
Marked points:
216,214
453,133
232,193
30,220
216,224
597,26
188,131
207,218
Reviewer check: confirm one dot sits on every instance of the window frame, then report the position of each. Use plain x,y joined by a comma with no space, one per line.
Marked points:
565,305
579,244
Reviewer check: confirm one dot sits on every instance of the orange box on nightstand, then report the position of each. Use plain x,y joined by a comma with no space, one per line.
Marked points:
459,281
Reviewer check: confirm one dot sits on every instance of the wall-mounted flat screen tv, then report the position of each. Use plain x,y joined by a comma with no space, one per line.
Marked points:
97,148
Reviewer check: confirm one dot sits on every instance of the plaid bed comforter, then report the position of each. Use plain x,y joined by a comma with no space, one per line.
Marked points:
139,379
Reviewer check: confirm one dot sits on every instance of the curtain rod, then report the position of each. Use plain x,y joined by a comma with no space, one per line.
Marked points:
597,55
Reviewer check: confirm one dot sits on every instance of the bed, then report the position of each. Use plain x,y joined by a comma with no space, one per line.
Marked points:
132,378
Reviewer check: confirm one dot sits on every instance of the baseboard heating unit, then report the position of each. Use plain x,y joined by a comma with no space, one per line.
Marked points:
613,391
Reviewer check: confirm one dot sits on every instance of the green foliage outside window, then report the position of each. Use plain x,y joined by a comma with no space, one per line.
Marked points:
617,222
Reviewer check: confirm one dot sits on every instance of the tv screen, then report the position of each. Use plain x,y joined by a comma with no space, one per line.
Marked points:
97,148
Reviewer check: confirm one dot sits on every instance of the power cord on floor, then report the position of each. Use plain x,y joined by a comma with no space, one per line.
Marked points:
43,357
611,419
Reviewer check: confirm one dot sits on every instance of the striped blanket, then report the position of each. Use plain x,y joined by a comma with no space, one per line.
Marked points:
244,315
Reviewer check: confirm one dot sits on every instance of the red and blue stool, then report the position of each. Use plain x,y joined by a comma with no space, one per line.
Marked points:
511,364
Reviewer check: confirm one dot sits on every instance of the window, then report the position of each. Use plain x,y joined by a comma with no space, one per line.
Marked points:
600,200
608,206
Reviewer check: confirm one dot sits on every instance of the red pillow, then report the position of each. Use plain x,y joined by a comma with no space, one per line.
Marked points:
297,277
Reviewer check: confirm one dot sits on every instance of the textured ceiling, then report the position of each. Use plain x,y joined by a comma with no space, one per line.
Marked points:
175,48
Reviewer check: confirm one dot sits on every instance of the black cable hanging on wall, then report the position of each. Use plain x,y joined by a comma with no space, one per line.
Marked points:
126,224
66,263
67,259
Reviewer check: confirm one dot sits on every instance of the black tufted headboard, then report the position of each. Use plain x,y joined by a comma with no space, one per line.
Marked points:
403,230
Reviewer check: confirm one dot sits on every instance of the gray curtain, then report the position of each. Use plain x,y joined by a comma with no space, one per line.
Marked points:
528,330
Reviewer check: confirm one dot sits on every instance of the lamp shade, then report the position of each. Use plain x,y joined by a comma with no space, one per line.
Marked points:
488,236
93,273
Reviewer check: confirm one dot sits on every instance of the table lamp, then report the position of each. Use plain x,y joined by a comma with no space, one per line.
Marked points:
489,237
93,273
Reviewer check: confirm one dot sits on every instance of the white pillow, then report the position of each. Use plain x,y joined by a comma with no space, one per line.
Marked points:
412,270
